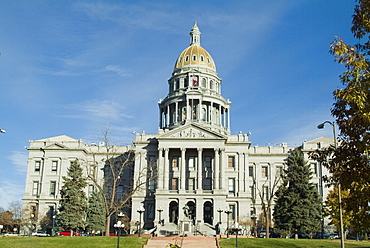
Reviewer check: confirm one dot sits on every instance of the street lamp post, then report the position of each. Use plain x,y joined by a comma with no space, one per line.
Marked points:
52,229
227,212
219,210
119,225
160,210
140,211
321,126
237,231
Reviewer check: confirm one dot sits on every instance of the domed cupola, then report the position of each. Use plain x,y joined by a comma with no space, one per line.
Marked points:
195,91
195,56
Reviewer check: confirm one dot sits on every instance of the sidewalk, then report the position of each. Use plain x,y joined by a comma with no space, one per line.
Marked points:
187,242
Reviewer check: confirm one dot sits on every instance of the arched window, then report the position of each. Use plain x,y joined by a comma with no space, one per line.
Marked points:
187,58
194,57
201,58
204,83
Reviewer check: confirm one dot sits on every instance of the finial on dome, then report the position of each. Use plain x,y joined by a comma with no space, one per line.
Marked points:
195,35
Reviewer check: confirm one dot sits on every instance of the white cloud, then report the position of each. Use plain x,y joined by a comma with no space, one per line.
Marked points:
19,159
118,70
102,110
11,191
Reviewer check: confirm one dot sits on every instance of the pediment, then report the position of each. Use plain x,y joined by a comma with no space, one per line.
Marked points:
192,131
55,146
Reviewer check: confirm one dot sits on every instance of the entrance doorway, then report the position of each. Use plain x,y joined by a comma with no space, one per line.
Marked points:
174,212
208,212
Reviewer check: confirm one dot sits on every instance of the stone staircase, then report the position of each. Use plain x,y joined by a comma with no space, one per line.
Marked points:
184,242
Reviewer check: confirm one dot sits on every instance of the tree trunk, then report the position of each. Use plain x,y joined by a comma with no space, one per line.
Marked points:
268,224
107,224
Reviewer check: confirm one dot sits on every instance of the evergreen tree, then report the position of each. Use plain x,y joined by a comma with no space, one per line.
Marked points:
298,203
73,203
96,213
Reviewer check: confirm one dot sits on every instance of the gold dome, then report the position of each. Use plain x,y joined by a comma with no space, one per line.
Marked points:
195,56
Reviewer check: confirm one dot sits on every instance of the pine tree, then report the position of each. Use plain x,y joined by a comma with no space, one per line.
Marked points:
298,203
73,203
96,213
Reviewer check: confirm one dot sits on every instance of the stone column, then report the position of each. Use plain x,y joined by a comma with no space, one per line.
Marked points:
162,169
183,169
222,166
237,168
168,116
200,168
176,112
166,168
217,169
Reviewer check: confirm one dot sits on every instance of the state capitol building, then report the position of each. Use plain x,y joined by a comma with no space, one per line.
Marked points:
200,166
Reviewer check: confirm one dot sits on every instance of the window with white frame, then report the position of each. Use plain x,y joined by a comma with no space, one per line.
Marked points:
265,171
191,184
231,185
175,162
53,185
37,165
54,165
35,188
208,162
251,171
314,169
191,162
174,183
231,162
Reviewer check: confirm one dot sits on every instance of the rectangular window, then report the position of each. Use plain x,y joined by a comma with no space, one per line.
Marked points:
35,188
208,162
53,185
231,185
174,183
266,193
207,184
54,166
191,162
265,171
51,211
231,161
251,189
251,171
152,185
175,162
191,183
92,171
279,171
37,165
253,211
314,169
232,214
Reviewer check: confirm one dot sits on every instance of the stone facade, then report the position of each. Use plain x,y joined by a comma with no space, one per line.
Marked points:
201,167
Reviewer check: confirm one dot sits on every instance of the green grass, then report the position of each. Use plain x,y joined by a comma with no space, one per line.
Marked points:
291,243
134,242
70,242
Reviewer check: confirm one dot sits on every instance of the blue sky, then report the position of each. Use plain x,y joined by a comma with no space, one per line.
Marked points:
71,67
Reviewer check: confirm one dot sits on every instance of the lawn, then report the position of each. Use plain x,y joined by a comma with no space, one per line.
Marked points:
67,242
134,242
291,243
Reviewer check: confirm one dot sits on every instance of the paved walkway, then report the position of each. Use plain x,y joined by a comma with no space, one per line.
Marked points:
187,242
